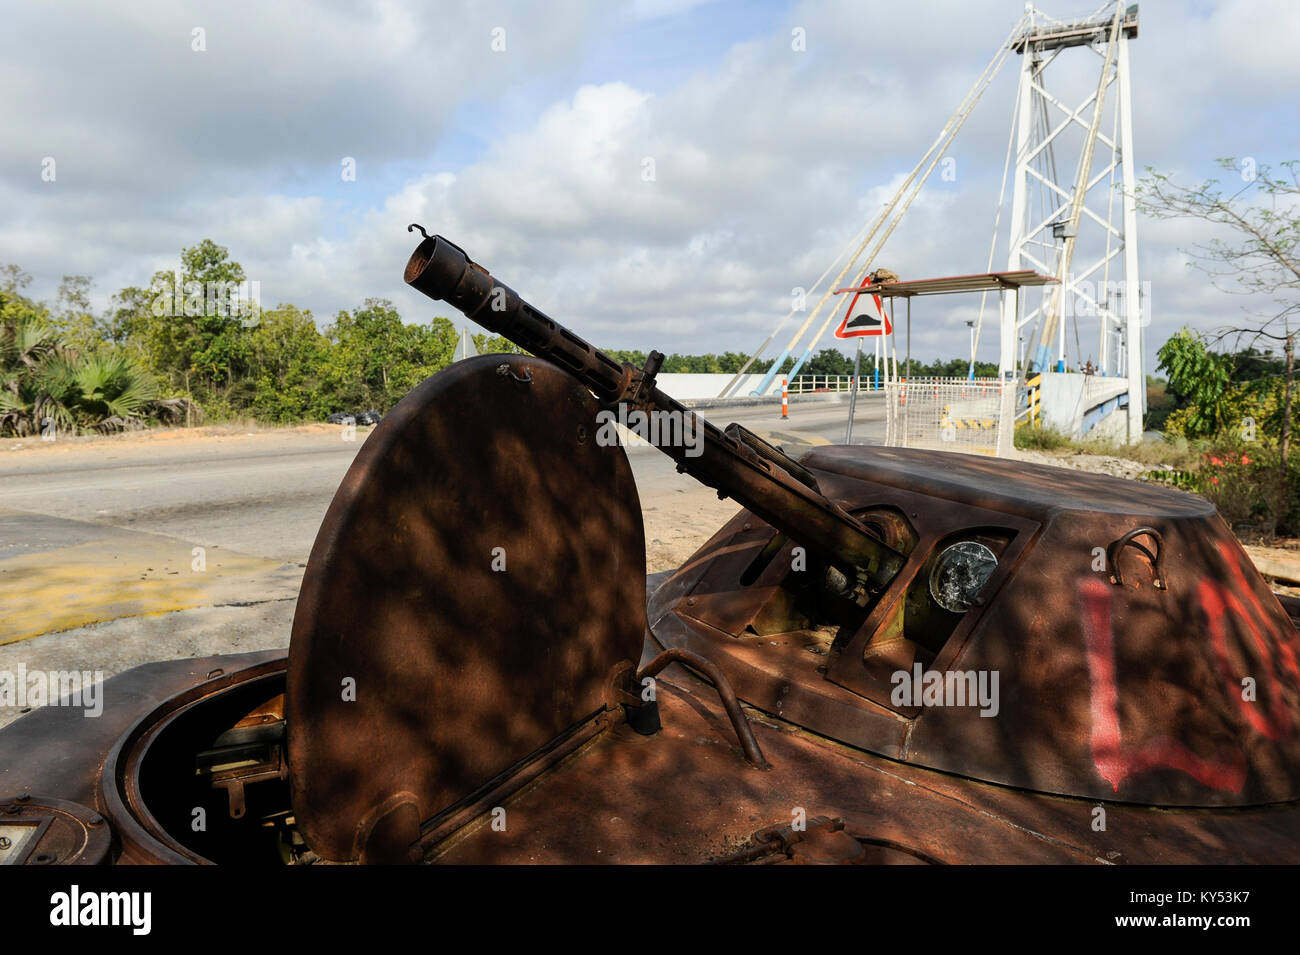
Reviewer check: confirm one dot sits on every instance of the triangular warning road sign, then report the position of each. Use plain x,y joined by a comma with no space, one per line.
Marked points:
862,320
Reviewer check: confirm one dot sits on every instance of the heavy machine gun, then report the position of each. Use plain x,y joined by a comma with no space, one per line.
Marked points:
735,461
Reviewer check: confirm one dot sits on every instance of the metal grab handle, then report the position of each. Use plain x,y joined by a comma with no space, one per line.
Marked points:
739,722
1158,558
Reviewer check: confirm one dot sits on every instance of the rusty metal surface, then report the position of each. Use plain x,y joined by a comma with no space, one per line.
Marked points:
151,783
1110,687
36,830
1130,680
57,751
823,841
1291,605
687,795
744,733
479,573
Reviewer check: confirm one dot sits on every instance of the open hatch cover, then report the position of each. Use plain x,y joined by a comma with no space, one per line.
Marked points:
479,575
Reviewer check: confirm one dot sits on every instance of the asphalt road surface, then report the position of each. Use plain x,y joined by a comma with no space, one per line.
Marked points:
269,499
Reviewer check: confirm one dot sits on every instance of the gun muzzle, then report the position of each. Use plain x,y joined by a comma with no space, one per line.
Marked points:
441,269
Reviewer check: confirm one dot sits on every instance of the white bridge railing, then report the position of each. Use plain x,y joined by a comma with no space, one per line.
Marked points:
807,384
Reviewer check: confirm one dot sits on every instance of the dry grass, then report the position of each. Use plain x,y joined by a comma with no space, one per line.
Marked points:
1178,453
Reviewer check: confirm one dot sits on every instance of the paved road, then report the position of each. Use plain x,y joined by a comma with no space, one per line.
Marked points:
268,501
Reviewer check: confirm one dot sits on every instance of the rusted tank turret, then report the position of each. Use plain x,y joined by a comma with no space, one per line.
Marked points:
886,656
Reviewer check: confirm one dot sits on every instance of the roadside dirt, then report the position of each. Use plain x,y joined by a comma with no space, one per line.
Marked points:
677,522
1092,463
215,437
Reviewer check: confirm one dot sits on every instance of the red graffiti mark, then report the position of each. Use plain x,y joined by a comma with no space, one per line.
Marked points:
1284,635
1214,601
1115,761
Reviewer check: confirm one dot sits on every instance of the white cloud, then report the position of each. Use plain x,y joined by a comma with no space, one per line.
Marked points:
766,161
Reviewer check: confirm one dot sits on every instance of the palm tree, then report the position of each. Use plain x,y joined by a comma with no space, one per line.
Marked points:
27,340
110,391
103,391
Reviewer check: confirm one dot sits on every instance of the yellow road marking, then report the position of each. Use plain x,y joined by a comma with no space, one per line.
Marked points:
127,574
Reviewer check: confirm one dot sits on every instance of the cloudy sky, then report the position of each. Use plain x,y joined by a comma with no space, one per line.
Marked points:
521,131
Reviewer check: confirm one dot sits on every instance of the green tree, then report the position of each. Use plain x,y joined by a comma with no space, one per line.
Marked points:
27,338
198,346
1261,258
101,391
73,319
376,358
287,356
828,361
1199,381
494,344
632,357
44,380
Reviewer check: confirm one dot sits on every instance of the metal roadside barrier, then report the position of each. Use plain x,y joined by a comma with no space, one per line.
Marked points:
946,414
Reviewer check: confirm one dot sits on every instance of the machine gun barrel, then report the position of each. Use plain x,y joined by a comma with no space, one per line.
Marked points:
735,462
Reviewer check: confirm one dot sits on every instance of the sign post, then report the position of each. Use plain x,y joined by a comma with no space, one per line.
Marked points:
860,322
853,394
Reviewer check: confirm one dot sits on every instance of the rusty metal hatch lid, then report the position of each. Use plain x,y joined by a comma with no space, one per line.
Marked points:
44,831
479,574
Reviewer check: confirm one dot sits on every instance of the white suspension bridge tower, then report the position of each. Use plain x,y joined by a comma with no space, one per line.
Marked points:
1075,224
1073,218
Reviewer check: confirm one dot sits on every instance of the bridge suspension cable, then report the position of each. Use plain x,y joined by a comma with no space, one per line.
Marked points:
904,195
